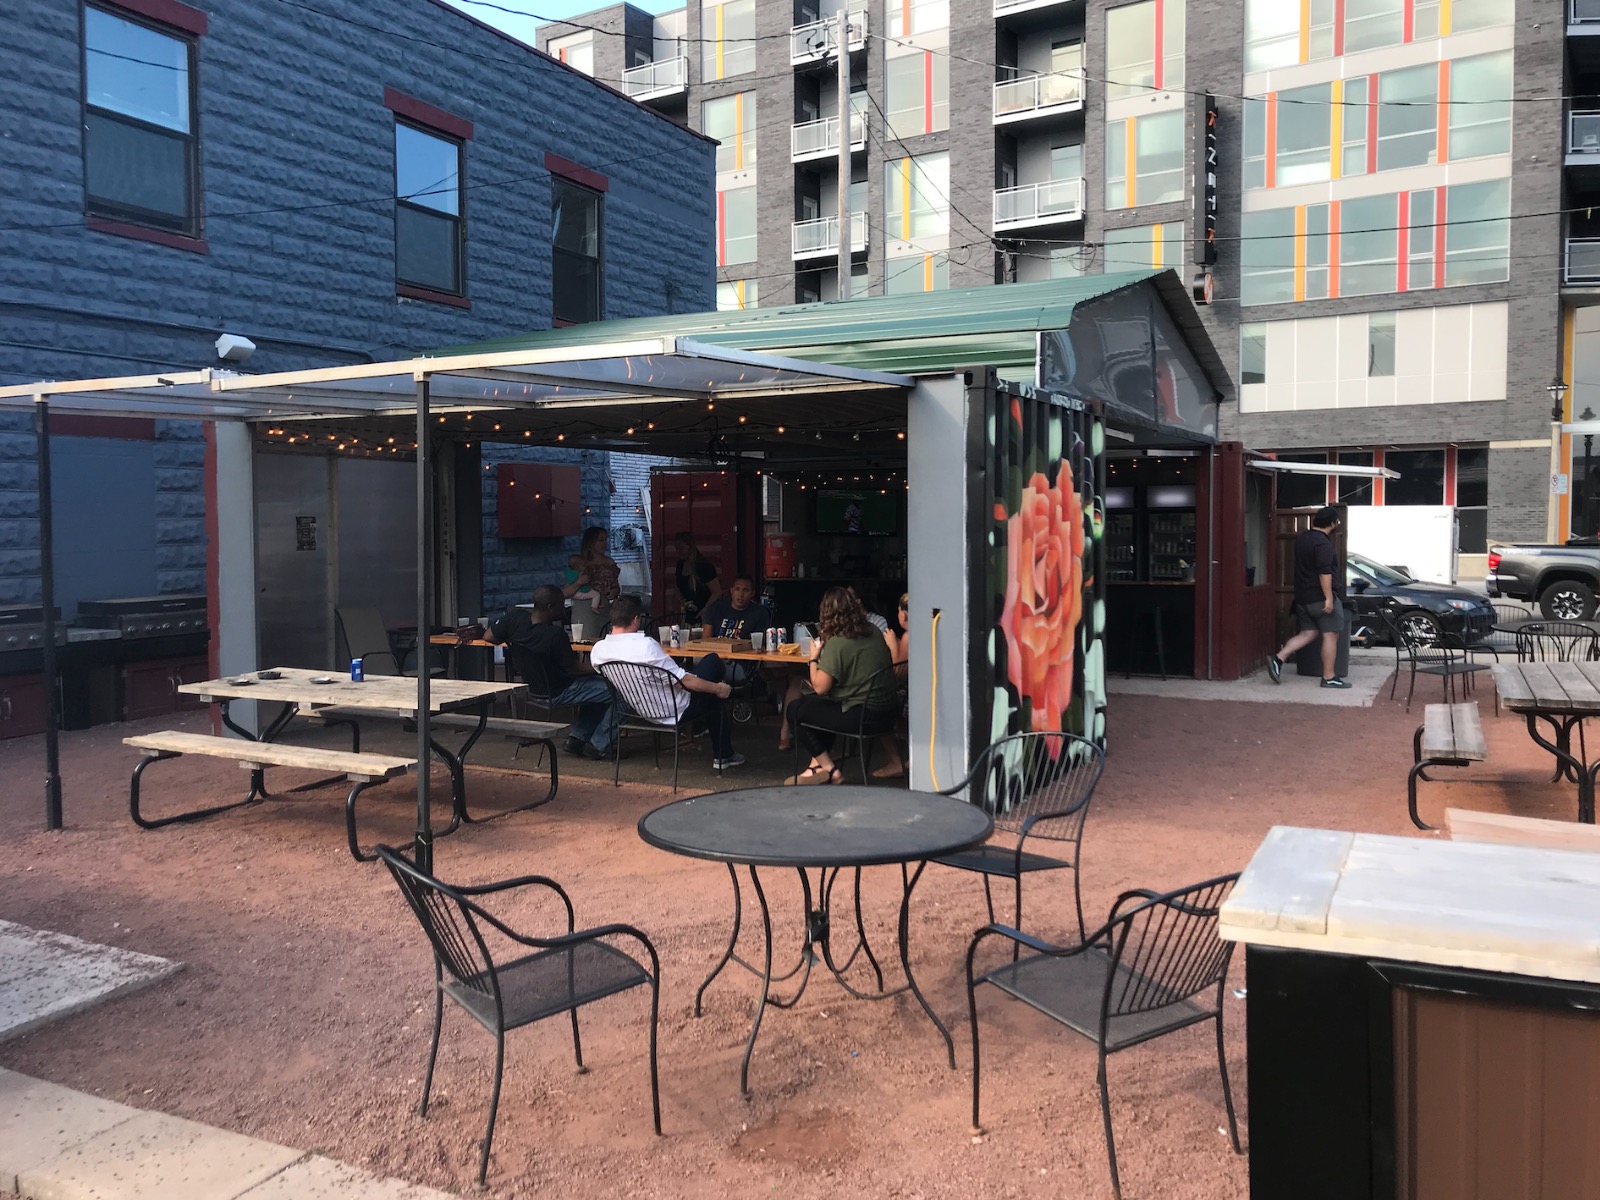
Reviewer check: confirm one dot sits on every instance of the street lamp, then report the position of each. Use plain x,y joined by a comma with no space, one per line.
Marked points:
1557,388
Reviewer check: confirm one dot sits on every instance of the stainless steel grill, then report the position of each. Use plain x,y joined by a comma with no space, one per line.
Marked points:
146,616
22,627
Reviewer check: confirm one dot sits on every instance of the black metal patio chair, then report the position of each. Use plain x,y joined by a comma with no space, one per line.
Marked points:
534,695
1557,641
873,717
643,690
1448,663
564,972
1155,967
1036,786
383,651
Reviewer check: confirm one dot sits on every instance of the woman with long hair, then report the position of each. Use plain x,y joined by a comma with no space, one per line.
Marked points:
847,654
593,577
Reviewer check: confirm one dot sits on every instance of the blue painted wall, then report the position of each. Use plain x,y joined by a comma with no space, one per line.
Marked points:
297,175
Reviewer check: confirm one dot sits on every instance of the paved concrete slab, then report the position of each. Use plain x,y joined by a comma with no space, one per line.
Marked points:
156,1157
318,1178
50,975
39,1121
1367,678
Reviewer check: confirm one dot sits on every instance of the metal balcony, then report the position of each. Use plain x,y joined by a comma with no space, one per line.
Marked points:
656,80
820,139
820,239
1007,8
814,41
1054,202
1037,96
1583,136
1581,264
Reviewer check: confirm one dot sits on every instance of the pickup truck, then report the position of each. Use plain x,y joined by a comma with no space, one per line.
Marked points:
1563,580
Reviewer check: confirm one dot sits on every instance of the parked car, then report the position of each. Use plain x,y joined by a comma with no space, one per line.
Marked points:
1563,580
1426,611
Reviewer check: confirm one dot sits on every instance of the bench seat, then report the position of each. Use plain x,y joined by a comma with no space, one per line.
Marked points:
1451,735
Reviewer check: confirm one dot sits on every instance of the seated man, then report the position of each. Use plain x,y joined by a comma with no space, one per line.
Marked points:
735,615
705,691
543,657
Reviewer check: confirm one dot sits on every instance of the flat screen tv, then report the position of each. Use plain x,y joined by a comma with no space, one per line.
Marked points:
856,512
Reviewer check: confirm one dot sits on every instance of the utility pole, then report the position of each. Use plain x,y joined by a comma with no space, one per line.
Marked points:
842,34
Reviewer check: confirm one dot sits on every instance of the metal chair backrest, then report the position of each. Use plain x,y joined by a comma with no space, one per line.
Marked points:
1164,947
1042,780
883,693
367,637
650,693
1420,654
1557,641
446,918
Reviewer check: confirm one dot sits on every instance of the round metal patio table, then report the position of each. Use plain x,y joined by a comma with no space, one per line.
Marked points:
827,829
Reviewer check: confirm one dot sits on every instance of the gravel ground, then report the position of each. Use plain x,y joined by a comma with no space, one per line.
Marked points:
303,1013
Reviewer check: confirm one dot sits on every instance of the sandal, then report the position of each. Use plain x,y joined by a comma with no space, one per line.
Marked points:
887,773
812,776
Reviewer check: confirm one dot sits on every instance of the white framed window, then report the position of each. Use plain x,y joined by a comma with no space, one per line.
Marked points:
1266,257
428,219
1305,129
728,39
1368,246
917,196
732,121
1380,345
1408,117
1484,126
1477,234
1252,353
1271,34
736,226
1369,24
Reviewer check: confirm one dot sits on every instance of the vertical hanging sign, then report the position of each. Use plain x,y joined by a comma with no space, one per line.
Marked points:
1205,183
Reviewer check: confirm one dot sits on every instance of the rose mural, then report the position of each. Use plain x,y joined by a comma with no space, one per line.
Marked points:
1044,595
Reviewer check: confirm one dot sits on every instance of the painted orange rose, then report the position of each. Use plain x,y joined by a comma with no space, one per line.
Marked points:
1044,595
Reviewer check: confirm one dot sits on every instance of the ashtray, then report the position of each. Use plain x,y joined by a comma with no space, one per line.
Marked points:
241,681
323,679
269,674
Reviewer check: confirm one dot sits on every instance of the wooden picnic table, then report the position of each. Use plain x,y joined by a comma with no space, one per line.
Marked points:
299,691
1561,694
693,649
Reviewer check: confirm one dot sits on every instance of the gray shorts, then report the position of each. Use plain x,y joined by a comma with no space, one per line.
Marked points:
1311,616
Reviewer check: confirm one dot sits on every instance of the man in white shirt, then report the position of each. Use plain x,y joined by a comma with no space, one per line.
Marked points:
701,702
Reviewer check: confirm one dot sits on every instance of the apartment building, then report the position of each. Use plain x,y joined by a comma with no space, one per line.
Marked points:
1384,231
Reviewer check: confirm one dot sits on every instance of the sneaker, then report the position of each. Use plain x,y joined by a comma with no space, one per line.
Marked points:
574,746
733,760
1335,682
593,753
1275,668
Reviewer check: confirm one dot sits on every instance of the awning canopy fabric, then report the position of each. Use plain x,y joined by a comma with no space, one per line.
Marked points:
1312,468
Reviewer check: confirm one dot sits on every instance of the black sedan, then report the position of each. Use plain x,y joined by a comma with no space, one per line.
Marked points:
1426,611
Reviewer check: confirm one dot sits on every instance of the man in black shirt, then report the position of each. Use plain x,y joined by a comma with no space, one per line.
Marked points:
543,657
1318,598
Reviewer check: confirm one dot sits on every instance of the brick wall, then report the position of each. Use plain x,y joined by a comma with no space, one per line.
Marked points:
296,141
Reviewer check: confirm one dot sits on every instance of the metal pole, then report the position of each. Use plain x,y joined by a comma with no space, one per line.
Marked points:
842,33
47,596
1588,495
424,844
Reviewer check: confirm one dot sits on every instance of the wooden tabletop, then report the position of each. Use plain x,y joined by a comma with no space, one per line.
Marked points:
1475,905
696,649
396,693
1549,687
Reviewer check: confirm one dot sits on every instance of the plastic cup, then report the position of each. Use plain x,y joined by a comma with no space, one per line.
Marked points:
665,633
572,633
758,641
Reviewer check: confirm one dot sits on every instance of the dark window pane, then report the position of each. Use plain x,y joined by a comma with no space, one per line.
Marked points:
1354,489
1302,491
1472,530
1421,477
427,249
1472,478
575,220
575,285
135,171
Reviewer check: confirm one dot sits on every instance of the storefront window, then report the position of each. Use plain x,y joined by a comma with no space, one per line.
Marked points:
1355,489
1472,500
1296,490
1421,477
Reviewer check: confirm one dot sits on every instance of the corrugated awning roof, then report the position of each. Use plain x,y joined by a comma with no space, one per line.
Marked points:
926,333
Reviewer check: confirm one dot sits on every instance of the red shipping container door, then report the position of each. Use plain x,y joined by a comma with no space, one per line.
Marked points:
721,510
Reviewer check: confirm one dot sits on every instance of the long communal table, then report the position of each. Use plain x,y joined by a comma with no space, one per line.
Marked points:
298,692
1561,695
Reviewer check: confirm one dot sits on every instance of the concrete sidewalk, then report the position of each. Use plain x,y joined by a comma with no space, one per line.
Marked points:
58,1144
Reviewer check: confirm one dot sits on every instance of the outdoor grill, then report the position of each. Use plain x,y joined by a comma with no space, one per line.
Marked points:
146,616
22,628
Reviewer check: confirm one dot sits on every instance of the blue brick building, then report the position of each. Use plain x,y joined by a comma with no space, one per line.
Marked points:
272,169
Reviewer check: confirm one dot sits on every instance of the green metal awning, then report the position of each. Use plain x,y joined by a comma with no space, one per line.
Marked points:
926,333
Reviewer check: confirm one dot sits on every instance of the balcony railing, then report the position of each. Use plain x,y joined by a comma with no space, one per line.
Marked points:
1016,99
817,239
1045,203
1583,133
655,79
1583,12
814,41
819,139
1005,7
1582,260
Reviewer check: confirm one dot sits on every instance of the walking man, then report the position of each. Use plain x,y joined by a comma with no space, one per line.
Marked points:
1318,598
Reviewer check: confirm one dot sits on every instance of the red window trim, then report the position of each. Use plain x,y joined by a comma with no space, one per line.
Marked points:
1378,481
167,12
1338,28
1450,476
143,233
126,429
423,113
412,292
1158,68
565,168
1440,208
1403,235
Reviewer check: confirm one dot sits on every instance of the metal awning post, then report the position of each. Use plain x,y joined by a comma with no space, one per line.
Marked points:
424,843
47,595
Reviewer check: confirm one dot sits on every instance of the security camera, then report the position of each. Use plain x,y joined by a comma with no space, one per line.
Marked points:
233,347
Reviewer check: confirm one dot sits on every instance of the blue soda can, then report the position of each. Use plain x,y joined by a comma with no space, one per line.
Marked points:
357,675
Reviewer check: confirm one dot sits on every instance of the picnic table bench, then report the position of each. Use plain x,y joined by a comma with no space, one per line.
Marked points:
361,769
1451,735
